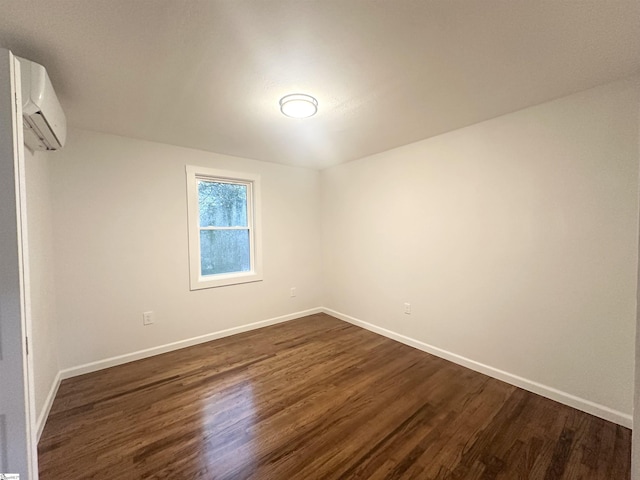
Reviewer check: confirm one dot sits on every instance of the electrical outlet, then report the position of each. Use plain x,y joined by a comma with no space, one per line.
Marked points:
147,318
407,308
292,293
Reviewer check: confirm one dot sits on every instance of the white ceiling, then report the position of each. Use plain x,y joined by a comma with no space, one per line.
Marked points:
209,74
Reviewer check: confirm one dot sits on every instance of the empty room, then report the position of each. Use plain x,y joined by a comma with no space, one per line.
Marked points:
287,239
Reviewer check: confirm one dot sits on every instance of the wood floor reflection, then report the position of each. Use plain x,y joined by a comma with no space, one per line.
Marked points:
317,398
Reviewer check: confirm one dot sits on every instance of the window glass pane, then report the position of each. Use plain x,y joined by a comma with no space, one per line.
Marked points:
224,251
222,204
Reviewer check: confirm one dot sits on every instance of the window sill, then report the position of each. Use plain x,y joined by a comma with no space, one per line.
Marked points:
214,281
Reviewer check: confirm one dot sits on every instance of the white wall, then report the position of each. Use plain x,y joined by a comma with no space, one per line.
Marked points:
120,244
44,332
514,240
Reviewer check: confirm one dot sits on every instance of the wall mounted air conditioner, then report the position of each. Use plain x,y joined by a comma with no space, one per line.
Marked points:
45,126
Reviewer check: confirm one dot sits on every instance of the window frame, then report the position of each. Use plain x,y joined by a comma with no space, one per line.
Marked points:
197,281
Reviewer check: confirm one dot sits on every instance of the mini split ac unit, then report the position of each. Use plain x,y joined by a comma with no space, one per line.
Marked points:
45,126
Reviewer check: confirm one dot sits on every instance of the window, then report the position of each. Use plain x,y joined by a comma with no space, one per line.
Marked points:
224,227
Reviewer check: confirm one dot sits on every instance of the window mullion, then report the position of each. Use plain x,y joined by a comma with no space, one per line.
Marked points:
225,228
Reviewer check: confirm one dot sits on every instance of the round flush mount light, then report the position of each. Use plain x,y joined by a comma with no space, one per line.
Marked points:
298,105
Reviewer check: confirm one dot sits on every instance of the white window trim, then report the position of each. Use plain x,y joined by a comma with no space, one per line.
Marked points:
254,219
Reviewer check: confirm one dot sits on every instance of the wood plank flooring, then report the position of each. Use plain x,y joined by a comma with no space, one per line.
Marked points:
317,398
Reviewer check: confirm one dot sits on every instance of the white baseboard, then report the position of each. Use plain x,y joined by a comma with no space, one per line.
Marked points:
549,392
150,352
48,403
565,398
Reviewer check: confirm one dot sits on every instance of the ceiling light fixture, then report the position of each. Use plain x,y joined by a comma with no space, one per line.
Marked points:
298,105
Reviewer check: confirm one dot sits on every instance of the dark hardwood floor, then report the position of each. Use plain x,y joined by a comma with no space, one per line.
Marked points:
317,398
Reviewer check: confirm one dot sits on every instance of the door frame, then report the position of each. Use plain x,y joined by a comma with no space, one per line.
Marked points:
18,442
